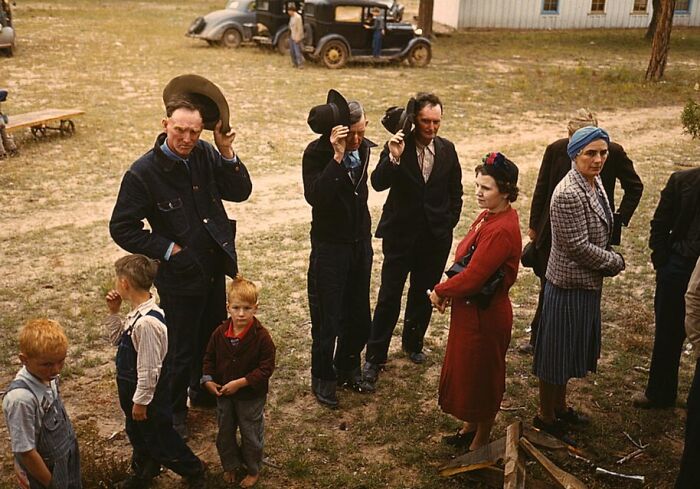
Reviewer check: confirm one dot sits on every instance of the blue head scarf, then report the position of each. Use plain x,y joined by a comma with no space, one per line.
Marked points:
581,138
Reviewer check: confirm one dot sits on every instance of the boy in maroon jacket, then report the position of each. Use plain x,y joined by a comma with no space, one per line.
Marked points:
239,360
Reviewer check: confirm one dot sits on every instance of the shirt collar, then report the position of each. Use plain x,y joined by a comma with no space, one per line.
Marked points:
169,152
141,309
37,387
430,147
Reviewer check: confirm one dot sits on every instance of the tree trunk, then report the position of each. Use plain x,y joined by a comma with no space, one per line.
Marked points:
656,8
661,42
425,17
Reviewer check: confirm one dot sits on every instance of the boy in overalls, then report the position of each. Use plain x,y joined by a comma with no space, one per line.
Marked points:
42,437
142,380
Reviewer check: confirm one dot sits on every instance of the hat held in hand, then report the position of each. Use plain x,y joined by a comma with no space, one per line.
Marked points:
335,112
205,95
397,118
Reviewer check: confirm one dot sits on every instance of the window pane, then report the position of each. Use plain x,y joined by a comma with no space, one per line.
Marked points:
640,6
550,5
682,5
598,6
347,13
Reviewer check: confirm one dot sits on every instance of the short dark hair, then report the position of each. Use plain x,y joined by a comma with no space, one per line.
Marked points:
180,103
426,98
504,186
139,270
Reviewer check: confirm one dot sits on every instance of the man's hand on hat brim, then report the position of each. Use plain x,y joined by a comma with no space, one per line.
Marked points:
338,141
224,141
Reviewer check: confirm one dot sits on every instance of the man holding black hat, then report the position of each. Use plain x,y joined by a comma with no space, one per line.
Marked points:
335,185
178,187
424,178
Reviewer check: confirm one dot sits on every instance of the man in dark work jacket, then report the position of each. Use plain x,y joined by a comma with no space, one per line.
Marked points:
334,169
178,187
675,245
422,173
555,165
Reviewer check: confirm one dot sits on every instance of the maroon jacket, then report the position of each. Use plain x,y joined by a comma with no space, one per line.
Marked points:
253,358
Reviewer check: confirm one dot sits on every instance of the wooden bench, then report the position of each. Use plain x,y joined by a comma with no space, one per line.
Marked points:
39,121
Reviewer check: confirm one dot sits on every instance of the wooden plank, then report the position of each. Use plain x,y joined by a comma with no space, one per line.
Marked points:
562,478
493,477
39,117
545,440
481,457
514,473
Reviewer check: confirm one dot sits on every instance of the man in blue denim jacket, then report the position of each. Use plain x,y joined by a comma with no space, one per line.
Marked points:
178,187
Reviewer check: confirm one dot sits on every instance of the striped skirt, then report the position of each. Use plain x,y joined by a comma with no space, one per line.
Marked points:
568,337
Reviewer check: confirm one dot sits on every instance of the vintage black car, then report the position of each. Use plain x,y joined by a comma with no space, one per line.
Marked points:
338,31
272,27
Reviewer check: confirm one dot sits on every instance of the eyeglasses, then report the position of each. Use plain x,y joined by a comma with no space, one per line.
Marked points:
591,153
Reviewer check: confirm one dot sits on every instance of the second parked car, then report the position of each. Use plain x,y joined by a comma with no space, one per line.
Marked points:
228,27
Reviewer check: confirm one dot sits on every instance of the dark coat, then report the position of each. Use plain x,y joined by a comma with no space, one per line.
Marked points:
339,212
556,164
678,209
253,358
412,200
184,207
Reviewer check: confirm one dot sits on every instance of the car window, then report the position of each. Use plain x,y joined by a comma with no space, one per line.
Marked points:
348,13
263,5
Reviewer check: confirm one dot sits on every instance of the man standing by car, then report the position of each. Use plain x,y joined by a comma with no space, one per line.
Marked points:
296,36
178,187
334,170
424,178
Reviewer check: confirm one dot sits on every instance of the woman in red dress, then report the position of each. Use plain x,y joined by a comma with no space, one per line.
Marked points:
472,381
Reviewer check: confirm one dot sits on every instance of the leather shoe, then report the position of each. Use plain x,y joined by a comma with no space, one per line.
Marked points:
459,439
417,357
556,429
572,417
370,372
324,391
640,400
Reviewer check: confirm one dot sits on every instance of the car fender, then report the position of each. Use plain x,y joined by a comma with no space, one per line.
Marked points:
7,36
278,34
217,32
329,37
413,42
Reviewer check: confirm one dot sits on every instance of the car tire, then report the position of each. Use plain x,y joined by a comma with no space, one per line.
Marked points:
283,43
420,55
232,38
334,54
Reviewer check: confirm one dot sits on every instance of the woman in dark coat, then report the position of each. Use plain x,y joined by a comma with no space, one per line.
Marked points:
568,341
472,381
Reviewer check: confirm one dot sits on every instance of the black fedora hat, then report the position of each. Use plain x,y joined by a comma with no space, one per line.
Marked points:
397,118
335,112
202,93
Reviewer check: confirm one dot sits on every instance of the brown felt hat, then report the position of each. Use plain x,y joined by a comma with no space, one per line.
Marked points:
335,112
202,93
397,118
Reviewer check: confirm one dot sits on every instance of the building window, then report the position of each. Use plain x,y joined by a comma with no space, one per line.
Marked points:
550,7
598,6
682,6
640,6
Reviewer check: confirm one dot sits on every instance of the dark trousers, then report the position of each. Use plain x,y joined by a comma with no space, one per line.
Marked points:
689,474
669,313
191,321
425,260
542,257
338,286
246,416
154,440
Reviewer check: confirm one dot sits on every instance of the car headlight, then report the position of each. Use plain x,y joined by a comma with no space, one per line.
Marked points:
418,31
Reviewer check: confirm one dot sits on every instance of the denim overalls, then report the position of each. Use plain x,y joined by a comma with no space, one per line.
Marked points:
154,440
57,444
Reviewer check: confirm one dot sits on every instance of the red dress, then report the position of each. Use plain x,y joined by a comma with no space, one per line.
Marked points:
473,375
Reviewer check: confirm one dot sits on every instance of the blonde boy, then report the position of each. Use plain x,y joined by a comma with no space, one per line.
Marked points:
42,437
239,360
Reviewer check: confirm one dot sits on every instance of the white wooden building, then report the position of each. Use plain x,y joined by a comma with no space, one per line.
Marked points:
557,14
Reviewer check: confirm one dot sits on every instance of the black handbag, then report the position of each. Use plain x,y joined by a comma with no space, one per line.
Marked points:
482,298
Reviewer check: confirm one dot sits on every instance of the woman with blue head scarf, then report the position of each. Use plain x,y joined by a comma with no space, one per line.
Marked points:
568,341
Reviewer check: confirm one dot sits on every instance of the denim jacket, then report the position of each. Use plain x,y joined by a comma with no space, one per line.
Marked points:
182,204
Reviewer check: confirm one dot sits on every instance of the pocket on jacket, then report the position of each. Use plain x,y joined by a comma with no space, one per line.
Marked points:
173,214
182,265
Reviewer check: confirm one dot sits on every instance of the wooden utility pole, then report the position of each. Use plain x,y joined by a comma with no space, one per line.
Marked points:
425,17
656,8
661,43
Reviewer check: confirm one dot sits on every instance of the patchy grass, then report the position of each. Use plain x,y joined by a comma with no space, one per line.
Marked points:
504,90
